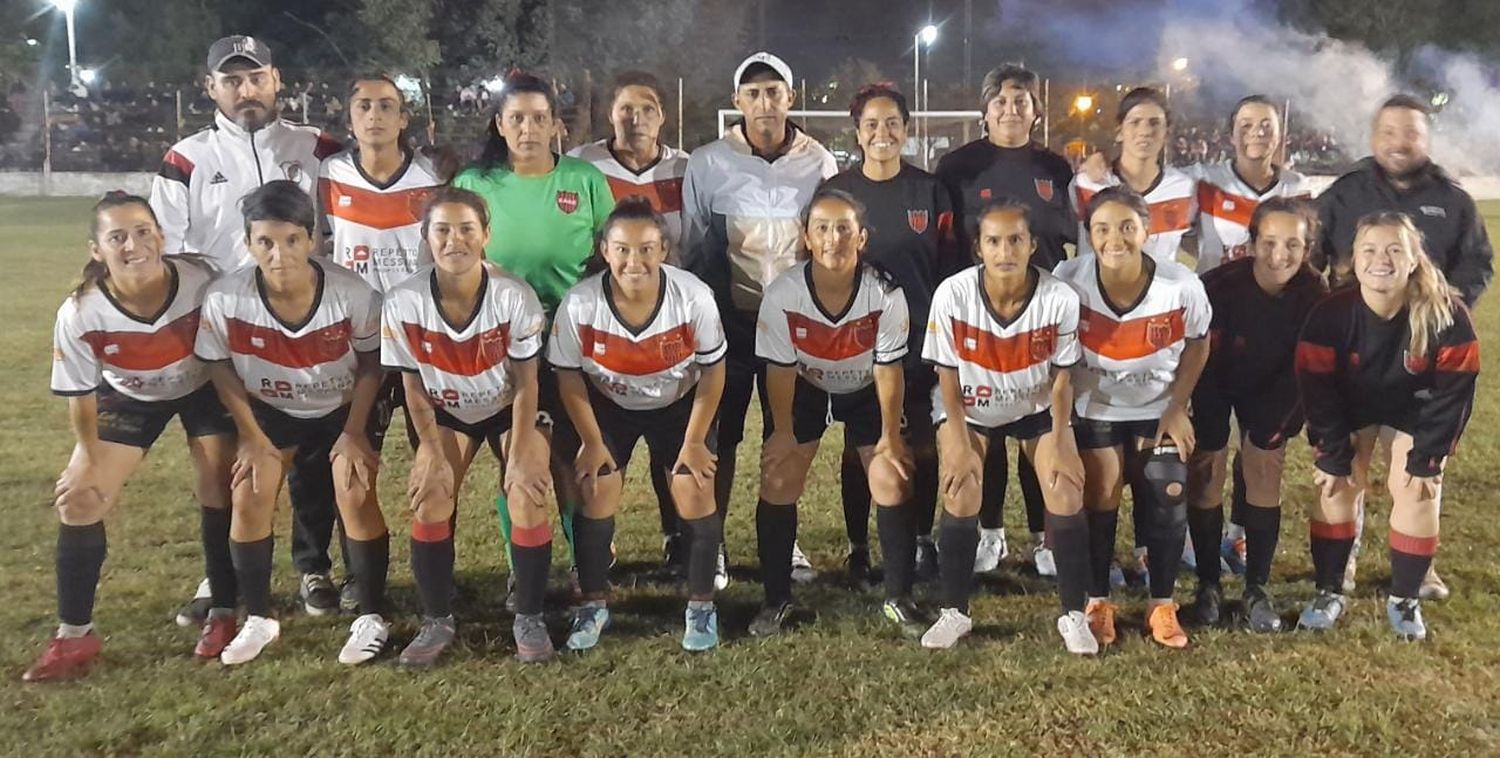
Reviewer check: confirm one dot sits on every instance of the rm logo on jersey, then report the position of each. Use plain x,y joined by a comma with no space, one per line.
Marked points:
292,170
1044,188
567,201
1159,333
1043,343
917,220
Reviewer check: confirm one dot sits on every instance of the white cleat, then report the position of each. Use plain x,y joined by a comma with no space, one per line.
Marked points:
952,625
367,637
1077,637
1046,562
802,569
991,550
255,634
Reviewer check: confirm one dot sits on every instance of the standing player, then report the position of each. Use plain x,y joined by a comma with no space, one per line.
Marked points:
1004,335
1143,328
196,195
910,225
1392,362
1259,305
743,198
1400,176
545,210
123,356
465,337
636,162
834,332
302,336
1008,163
640,352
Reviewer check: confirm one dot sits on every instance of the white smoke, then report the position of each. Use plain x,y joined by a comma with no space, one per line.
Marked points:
1336,85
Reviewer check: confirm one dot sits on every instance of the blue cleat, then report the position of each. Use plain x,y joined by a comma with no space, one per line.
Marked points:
702,630
1323,612
1405,615
589,622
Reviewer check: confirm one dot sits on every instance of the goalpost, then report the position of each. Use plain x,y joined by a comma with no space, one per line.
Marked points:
930,135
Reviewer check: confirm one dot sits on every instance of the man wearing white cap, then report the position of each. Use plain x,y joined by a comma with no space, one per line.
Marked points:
196,196
743,199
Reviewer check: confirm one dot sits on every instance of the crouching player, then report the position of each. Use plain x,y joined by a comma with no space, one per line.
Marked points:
640,353
465,336
292,344
834,331
1259,305
1003,335
123,356
1393,361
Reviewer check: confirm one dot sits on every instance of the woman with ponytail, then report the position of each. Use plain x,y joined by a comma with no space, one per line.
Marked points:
1393,361
545,210
122,354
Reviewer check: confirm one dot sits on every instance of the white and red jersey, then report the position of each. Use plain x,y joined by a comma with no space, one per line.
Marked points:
1174,209
646,368
376,226
1130,357
660,182
1225,205
1004,367
835,352
150,359
305,370
465,367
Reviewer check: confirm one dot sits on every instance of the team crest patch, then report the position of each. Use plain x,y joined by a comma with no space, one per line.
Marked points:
985,194
292,170
1159,332
864,333
917,220
567,201
1043,189
492,346
1043,343
1415,364
673,348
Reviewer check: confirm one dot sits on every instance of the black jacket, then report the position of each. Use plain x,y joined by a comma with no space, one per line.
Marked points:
1452,229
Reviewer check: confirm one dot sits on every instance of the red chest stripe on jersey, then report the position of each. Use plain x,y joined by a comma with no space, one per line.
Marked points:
1132,338
1315,359
315,348
833,343
665,194
470,357
1226,205
652,355
1171,215
146,351
1004,354
377,210
1459,359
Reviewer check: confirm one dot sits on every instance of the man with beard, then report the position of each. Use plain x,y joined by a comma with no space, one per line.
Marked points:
1400,176
196,195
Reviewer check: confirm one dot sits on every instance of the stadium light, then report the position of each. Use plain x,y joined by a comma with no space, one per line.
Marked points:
31,42
923,38
1180,64
1083,103
67,7
87,75
927,35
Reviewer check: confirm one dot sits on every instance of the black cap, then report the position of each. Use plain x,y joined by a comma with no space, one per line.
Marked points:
238,46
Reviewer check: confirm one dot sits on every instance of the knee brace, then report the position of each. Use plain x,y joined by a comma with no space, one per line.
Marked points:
1162,490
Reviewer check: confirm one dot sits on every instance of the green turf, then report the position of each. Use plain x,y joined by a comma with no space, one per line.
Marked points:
839,685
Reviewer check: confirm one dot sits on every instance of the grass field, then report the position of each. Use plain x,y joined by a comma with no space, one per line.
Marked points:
840,685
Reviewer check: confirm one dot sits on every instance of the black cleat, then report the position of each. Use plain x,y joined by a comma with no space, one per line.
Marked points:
1208,604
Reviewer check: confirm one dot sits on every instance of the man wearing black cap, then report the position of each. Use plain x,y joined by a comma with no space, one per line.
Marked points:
196,197
743,198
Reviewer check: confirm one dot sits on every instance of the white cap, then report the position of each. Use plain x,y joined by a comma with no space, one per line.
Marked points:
778,65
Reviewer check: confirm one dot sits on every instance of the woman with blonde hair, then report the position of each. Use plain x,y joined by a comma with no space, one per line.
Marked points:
1392,361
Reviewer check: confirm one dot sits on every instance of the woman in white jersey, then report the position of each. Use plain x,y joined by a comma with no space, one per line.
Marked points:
1004,336
123,356
640,353
293,346
465,336
1142,328
833,331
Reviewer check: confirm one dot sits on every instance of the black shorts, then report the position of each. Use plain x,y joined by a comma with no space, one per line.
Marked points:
916,406
125,420
814,410
392,396
288,431
665,429
487,430
1265,421
552,417
744,377
1020,430
1093,434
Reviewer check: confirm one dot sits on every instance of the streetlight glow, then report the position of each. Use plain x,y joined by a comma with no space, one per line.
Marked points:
1180,64
87,75
928,35
1083,103
66,6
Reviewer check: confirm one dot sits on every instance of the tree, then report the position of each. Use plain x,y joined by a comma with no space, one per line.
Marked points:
480,39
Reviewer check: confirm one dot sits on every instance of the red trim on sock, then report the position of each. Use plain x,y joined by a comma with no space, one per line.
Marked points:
531,536
1325,531
1405,543
422,531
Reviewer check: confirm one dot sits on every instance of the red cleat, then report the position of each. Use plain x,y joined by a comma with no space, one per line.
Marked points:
64,659
217,633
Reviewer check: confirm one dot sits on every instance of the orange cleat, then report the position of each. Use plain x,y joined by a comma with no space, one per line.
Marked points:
218,631
64,659
1101,615
1164,627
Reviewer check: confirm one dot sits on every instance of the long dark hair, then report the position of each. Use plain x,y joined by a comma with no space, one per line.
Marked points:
494,153
95,271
